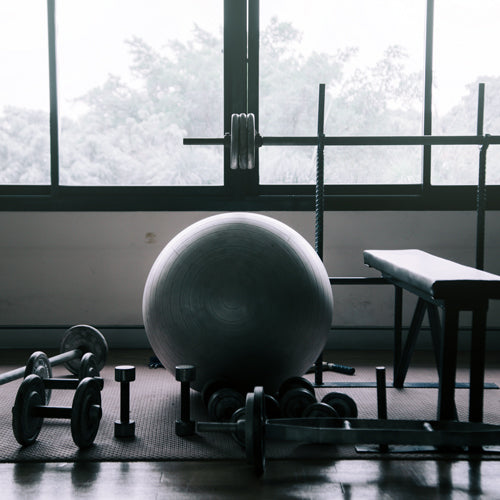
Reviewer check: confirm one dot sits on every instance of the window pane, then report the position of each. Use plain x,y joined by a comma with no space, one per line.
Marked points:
465,37
134,80
370,55
24,93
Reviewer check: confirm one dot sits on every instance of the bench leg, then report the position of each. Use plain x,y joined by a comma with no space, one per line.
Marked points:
411,340
477,364
435,324
398,327
446,395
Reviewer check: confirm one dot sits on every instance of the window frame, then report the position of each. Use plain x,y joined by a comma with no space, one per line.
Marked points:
241,189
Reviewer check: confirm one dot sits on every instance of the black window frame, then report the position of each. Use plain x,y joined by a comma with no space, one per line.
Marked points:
241,189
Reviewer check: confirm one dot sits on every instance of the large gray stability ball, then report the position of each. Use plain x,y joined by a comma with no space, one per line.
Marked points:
241,296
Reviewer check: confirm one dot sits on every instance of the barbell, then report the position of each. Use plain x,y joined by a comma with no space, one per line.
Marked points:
30,409
254,429
76,342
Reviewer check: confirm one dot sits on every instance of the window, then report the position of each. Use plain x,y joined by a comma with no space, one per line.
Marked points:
129,81
24,94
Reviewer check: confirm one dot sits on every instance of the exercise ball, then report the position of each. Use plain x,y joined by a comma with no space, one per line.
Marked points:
241,296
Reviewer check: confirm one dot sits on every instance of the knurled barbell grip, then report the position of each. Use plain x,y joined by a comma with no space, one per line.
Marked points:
216,426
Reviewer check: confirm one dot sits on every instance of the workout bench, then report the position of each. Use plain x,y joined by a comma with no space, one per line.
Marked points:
454,288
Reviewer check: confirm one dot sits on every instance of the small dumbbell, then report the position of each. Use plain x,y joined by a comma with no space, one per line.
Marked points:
30,409
295,395
344,405
221,400
185,374
124,428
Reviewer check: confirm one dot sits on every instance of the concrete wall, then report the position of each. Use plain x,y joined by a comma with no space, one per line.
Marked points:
69,268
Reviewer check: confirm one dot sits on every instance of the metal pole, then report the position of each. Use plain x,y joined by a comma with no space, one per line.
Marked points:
481,183
320,203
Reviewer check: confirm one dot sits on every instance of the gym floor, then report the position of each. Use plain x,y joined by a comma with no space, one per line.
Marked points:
314,479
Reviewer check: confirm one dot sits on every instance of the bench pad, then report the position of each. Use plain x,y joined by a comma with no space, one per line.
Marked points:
434,276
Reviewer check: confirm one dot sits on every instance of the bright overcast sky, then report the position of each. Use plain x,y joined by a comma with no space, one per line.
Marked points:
99,27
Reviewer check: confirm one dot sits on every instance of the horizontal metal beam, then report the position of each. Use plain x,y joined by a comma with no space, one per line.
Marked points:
334,280
402,140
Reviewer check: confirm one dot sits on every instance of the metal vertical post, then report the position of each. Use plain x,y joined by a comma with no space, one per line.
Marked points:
320,189
481,183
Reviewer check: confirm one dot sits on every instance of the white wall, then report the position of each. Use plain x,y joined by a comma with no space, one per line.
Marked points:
69,268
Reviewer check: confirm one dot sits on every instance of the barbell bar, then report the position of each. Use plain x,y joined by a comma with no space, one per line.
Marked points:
77,341
254,430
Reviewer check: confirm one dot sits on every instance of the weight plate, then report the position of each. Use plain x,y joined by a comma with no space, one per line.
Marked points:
271,406
39,364
251,140
318,410
26,427
87,339
342,403
223,403
239,434
88,366
235,137
86,412
210,388
254,430
243,143
295,401
295,382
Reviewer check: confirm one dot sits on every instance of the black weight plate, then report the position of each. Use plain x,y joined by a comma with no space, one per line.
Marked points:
342,403
239,434
39,364
243,143
293,383
295,401
254,430
251,140
223,403
86,412
320,410
235,137
272,407
210,388
88,366
26,427
87,339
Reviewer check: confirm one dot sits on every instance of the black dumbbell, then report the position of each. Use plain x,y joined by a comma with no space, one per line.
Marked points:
124,428
295,395
39,364
344,405
30,409
185,374
221,400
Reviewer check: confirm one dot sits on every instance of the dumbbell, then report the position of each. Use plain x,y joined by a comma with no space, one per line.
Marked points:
185,374
39,364
343,404
294,396
124,428
77,341
221,400
30,409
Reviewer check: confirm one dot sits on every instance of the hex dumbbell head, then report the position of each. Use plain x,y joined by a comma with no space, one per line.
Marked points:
125,373
185,373
124,429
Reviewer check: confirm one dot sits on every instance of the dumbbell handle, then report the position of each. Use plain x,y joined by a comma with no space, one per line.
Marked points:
55,360
43,411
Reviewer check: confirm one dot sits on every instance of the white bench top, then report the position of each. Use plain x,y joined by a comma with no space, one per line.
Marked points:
435,276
